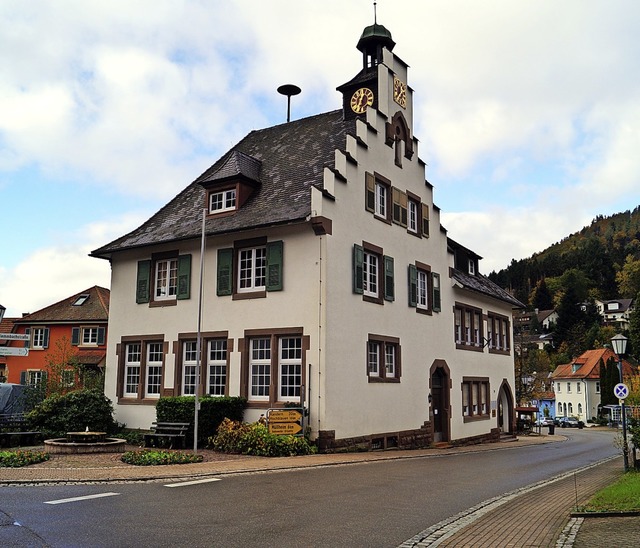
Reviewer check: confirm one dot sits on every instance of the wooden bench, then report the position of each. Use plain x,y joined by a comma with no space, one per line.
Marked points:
13,433
167,434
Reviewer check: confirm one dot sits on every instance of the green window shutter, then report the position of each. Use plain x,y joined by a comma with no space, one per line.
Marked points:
358,269
370,192
75,336
399,207
425,220
27,343
225,272
413,285
45,343
274,266
101,335
389,286
437,304
142,283
184,277
23,377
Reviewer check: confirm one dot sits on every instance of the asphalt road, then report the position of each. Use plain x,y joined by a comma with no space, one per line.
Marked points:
372,504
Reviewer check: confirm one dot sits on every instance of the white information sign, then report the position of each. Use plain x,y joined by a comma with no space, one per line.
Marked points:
9,351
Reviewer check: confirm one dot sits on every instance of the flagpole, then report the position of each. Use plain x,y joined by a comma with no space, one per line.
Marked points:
199,339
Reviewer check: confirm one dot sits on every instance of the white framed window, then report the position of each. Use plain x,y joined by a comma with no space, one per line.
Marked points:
579,387
370,274
34,377
132,366
422,279
217,367
382,196
155,359
389,360
260,369
89,336
373,359
472,267
475,398
383,358
252,269
597,387
189,367
568,387
290,368
558,387
166,278
68,378
224,200
412,224
39,337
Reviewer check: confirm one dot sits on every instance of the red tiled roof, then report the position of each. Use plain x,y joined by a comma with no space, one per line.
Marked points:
91,357
588,365
6,326
95,308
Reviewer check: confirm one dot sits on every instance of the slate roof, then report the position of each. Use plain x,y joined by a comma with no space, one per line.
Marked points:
288,160
588,365
94,309
482,284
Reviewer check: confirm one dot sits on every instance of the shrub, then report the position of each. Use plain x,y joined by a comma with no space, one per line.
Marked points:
154,457
16,459
255,439
212,412
73,412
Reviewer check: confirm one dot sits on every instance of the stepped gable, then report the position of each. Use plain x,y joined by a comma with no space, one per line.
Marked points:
287,159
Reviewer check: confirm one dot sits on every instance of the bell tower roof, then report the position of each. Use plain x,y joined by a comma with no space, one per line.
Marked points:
375,36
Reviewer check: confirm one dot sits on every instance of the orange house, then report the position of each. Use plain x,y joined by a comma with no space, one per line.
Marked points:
75,327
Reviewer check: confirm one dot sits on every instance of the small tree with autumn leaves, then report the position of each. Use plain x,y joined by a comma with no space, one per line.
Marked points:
62,368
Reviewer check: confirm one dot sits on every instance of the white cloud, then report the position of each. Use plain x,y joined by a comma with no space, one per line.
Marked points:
528,112
50,274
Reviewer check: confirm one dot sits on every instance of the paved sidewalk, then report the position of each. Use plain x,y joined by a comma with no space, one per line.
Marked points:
537,516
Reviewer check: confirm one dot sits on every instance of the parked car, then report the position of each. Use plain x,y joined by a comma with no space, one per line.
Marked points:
569,422
544,421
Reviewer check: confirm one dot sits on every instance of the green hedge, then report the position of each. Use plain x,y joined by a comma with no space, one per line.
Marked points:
212,412
73,412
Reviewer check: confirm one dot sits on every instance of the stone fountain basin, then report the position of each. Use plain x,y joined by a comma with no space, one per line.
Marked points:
84,442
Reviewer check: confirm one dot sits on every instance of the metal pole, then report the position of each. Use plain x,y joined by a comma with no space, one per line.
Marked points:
625,449
199,340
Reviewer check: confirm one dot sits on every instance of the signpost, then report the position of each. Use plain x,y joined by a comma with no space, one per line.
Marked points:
14,337
285,421
9,351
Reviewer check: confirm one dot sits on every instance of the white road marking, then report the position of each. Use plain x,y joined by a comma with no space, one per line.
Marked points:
86,497
194,482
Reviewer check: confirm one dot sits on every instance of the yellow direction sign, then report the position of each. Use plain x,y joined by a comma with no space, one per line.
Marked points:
288,428
284,415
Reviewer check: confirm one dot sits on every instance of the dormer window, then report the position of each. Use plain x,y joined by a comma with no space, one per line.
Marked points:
80,300
472,267
221,201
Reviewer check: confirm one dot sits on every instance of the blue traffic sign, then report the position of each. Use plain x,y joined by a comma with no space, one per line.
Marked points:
621,391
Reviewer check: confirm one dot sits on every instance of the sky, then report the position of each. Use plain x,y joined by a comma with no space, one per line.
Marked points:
527,113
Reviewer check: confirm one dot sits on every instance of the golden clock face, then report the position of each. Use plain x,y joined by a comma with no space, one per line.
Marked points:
361,99
400,92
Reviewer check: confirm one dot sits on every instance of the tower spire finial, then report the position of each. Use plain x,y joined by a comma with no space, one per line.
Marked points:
375,13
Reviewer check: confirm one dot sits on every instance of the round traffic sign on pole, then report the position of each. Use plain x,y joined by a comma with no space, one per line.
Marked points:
620,391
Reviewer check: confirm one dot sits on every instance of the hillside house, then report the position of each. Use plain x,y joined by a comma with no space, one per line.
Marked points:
576,385
328,283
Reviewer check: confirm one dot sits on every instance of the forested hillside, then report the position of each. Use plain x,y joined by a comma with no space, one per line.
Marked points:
605,257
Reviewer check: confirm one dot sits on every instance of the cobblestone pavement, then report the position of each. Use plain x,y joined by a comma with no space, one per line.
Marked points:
536,516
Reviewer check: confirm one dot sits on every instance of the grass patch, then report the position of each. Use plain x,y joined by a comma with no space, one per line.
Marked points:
622,496
17,459
151,457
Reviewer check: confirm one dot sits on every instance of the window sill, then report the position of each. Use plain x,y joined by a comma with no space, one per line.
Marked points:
160,304
249,295
503,352
475,418
469,347
384,379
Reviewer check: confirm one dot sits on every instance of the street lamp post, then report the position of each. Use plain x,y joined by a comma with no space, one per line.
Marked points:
619,343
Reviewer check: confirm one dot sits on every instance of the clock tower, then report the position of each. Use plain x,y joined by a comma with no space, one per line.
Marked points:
381,84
